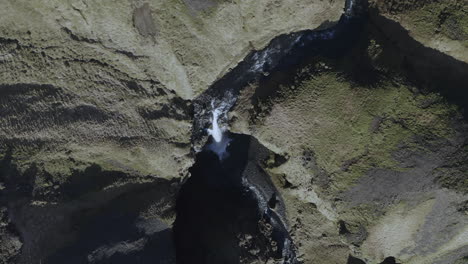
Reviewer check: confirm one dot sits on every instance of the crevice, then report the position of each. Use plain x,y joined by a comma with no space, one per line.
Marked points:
78,38
75,37
389,260
354,260
177,108
343,230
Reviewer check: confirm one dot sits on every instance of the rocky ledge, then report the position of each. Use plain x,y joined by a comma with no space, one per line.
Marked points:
362,151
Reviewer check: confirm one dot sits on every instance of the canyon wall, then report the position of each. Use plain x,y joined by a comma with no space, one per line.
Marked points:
368,149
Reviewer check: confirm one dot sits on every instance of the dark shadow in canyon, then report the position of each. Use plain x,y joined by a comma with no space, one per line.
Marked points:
122,230
403,59
354,260
426,68
87,224
227,212
389,260
223,214
283,55
343,45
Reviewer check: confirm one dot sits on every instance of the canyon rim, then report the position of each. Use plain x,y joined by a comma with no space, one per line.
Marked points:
216,131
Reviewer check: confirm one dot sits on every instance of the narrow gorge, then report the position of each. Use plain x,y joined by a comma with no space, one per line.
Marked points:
229,211
212,132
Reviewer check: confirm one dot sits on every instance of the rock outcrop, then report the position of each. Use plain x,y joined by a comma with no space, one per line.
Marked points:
95,110
368,149
373,147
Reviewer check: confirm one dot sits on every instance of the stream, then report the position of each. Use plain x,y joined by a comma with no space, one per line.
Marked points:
229,211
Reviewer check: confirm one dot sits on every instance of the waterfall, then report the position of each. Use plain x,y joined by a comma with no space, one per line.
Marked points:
220,143
281,54
215,131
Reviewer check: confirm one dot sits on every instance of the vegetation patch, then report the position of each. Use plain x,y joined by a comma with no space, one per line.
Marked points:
449,18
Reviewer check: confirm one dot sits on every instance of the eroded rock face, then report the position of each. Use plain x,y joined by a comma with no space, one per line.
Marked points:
92,78
367,137
441,25
368,146
95,100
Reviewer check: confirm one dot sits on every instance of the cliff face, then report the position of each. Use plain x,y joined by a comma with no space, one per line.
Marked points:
96,111
94,77
368,149
441,25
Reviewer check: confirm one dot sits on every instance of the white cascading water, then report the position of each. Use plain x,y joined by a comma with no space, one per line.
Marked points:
215,131
220,143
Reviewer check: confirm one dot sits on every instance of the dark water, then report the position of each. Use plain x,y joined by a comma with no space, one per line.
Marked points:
282,53
213,208
219,205
224,201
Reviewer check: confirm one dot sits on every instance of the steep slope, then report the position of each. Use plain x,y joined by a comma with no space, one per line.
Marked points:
437,24
103,105
95,109
371,150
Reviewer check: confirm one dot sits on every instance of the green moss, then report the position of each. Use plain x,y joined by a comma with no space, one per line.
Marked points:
59,164
453,178
462,260
355,129
449,18
455,26
425,19
454,175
